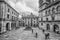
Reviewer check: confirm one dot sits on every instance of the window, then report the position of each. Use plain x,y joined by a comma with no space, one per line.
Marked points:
53,18
41,23
46,12
8,10
0,19
0,27
49,11
48,1
23,18
12,12
12,18
41,19
46,19
34,21
7,15
34,18
58,9
53,10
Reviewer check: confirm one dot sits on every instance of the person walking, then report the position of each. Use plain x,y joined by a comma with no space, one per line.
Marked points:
47,35
43,30
36,34
32,30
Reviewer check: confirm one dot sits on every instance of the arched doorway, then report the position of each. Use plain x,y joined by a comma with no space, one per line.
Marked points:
7,26
55,27
48,27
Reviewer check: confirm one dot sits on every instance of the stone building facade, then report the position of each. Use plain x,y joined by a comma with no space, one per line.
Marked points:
49,16
30,20
8,17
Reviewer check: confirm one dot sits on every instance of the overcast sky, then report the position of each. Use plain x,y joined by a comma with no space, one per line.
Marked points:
25,5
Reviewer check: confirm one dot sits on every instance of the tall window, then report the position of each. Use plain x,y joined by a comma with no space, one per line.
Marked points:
41,23
12,12
46,19
7,15
52,18
49,11
8,10
0,27
46,12
12,18
53,10
41,19
58,9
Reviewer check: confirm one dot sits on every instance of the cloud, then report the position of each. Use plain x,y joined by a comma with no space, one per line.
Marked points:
32,4
11,3
25,5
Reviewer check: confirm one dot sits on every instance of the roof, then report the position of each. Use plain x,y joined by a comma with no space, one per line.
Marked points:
9,5
43,4
30,16
54,3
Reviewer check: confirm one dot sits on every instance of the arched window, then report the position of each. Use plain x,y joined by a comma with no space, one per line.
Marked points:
58,8
46,12
49,11
53,18
48,27
53,10
46,19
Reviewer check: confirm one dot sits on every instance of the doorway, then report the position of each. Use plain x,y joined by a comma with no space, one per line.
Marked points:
55,27
48,27
7,26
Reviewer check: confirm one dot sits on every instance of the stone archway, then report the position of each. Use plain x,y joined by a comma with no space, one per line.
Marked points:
55,27
48,27
7,26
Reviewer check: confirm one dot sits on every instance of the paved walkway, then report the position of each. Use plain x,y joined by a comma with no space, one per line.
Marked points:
21,34
53,36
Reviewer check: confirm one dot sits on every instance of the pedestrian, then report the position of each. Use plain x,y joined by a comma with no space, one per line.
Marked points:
43,30
32,30
47,35
36,35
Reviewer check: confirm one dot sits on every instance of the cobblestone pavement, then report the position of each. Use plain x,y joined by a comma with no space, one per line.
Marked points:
21,34
53,36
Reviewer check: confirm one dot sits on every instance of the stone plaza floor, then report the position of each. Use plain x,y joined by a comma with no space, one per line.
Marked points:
21,34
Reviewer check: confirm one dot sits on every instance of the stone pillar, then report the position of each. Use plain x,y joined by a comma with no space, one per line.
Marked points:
10,26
